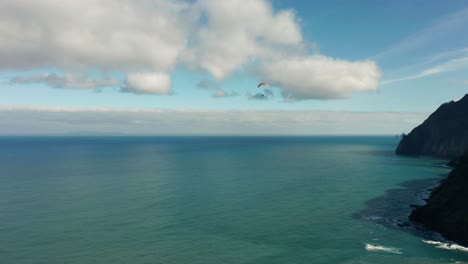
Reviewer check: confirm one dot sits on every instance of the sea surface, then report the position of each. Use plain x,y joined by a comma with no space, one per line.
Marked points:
80,200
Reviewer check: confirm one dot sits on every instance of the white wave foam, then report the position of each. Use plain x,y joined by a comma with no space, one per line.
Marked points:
370,247
443,245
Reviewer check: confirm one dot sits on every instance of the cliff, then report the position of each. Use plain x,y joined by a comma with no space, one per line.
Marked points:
447,208
443,134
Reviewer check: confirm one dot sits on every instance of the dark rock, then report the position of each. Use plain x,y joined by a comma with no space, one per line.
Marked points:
453,163
404,224
447,208
443,134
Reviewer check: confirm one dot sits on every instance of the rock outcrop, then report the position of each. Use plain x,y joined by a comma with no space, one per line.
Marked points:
444,134
447,208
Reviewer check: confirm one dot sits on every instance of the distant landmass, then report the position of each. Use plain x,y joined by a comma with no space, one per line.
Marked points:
444,134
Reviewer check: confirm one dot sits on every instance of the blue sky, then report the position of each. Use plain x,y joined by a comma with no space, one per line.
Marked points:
346,56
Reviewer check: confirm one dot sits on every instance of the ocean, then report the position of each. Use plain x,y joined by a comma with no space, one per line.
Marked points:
213,200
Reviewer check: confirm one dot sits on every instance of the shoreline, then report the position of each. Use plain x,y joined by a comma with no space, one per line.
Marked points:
393,208
445,211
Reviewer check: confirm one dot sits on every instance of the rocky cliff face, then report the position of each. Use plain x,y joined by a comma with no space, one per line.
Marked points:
447,209
444,133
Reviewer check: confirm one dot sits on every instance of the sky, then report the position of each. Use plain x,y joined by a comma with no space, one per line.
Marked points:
160,67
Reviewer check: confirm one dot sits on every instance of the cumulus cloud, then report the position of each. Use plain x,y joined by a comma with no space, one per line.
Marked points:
104,34
129,37
214,85
70,81
321,77
27,120
148,83
237,31
265,95
220,93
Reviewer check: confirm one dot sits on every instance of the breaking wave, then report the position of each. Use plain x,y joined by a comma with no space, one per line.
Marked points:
370,247
443,245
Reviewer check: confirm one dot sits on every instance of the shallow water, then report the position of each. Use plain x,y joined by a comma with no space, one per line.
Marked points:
208,200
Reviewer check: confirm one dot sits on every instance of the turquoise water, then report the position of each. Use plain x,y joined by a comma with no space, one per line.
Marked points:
206,200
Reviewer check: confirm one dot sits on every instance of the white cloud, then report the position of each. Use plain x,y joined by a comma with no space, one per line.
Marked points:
442,40
104,34
450,25
220,93
214,85
69,81
29,120
148,83
446,55
129,37
448,66
266,94
426,62
238,31
321,77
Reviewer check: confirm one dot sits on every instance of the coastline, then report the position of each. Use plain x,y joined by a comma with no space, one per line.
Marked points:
394,207
445,211
444,135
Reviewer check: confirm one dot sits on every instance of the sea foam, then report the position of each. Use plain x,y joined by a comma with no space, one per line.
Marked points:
443,245
370,247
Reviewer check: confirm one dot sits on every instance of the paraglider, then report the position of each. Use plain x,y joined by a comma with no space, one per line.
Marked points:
263,84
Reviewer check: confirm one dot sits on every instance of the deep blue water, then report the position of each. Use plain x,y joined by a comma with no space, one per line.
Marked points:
210,200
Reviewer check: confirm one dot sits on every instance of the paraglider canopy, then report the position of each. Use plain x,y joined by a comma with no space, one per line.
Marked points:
263,84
